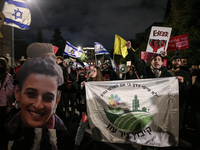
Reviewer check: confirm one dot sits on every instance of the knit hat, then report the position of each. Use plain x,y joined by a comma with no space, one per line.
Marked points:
38,49
175,57
107,63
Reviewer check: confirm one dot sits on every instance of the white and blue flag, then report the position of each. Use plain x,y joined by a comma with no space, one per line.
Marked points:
113,64
72,51
85,64
99,49
17,14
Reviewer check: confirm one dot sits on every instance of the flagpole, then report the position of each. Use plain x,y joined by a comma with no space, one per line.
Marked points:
113,57
12,47
95,60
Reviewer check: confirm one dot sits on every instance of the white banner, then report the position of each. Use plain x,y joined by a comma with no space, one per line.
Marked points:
144,111
158,39
17,14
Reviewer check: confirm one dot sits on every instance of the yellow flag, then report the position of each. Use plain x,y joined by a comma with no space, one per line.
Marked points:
120,46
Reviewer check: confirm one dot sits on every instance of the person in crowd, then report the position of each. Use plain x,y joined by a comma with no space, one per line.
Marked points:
184,65
37,94
195,104
21,62
6,94
70,90
108,73
132,73
94,76
183,88
59,61
80,79
184,61
11,68
155,70
86,71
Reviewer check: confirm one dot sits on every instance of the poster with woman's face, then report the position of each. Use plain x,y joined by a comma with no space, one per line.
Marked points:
38,94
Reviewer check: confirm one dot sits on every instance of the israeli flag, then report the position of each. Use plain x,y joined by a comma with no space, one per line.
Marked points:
72,51
17,14
79,65
113,64
99,49
85,64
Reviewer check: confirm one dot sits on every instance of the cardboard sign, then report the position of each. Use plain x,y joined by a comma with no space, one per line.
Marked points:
128,63
158,39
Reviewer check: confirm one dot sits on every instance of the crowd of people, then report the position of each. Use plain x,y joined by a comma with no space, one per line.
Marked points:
45,91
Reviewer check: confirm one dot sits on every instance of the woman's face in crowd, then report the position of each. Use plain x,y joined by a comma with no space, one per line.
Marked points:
94,73
37,99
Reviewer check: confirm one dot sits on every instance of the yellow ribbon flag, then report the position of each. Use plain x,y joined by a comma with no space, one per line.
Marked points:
120,46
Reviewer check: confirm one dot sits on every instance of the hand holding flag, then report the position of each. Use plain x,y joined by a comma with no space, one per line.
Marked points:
120,46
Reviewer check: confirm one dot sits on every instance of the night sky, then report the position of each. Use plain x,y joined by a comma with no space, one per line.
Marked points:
83,22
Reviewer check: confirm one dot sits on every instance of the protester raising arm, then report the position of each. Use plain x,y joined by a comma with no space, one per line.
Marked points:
139,65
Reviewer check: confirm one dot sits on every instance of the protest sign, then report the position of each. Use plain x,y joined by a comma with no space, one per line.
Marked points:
181,42
158,39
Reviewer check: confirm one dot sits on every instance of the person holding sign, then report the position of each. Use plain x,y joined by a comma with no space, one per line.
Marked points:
95,75
156,68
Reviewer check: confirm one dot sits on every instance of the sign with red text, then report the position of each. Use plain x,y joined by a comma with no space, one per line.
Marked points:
158,39
181,42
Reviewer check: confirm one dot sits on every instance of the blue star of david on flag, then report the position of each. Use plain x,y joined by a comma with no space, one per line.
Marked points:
72,51
17,14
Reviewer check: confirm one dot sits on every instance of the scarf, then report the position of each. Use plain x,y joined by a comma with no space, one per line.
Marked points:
156,72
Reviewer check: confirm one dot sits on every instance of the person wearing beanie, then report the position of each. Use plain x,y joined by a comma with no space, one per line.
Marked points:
183,89
108,73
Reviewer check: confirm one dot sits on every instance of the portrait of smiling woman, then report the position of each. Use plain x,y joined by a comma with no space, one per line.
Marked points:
37,94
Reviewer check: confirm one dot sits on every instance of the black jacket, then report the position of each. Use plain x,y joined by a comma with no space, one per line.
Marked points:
144,70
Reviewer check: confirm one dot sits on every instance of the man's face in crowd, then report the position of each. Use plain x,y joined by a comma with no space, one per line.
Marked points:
106,66
176,63
157,62
184,62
